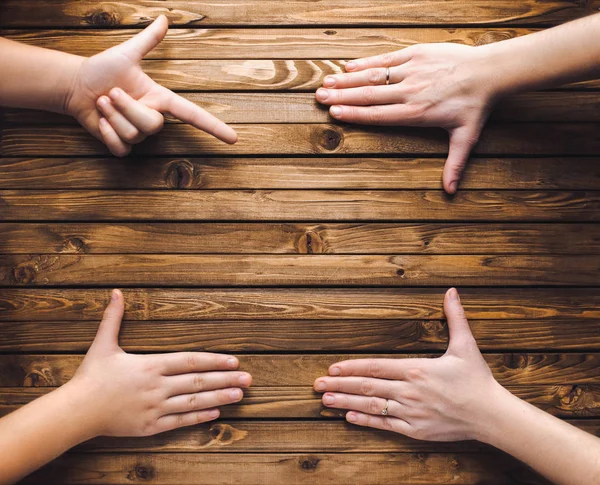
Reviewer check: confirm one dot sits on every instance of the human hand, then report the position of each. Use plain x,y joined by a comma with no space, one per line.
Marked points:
443,399
441,85
120,105
140,395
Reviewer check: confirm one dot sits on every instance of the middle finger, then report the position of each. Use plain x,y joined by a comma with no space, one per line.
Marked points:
363,96
370,405
206,381
371,77
362,386
202,400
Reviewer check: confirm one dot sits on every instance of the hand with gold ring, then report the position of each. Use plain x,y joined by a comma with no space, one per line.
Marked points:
425,85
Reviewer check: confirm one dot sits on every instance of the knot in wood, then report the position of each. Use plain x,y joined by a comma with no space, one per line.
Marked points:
330,139
570,395
180,174
330,32
25,273
494,36
74,245
144,473
102,18
435,329
400,272
39,378
309,464
515,361
310,243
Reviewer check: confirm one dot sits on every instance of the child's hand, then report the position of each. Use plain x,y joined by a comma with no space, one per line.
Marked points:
140,395
441,85
120,105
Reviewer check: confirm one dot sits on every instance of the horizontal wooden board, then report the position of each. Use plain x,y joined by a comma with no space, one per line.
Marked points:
285,270
269,469
299,304
542,139
298,238
295,205
87,13
301,335
565,173
560,106
566,401
265,43
293,370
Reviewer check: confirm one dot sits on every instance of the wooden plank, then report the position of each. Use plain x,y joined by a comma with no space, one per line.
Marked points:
264,43
298,238
268,108
299,304
294,205
87,13
301,335
268,469
288,270
292,370
566,400
564,173
543,139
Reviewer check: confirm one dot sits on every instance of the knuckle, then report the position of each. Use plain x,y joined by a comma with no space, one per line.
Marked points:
131,135
415,374
374,406
366,387
199,383
192,401
374,368
156,125
179,420
373,76
375,115
192,362
368,95
387,59
387,423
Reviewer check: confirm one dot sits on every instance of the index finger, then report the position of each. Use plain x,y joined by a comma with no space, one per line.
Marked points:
192,114
379,368
388,59
186,362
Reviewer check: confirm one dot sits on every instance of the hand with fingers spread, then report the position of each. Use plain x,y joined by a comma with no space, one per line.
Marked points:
456,397
109,93
114,393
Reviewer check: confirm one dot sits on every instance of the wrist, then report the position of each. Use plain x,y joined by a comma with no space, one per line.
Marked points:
66,84
491,76
83,420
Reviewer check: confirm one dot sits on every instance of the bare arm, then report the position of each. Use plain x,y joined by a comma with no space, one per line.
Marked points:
118,394
456,397
455,86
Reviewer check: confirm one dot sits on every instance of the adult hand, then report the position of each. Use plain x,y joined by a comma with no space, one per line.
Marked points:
441,85
442,399
140,395
119,104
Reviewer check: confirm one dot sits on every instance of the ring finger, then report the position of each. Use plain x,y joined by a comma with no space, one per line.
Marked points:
369,405
124,128
185,403
361,386
375,76
206,381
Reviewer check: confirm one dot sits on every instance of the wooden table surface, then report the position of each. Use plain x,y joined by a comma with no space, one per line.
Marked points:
306,242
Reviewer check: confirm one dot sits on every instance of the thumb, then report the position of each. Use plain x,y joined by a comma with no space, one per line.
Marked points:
462,141
108,331
140,45
461,338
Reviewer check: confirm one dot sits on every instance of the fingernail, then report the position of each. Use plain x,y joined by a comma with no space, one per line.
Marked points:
103,101
351,417
320,386
232,362
452,186
114,295
328,82
336,111
454,295
244,380
351,66
335,371
328,399
214,414
114,93
322,94
235,394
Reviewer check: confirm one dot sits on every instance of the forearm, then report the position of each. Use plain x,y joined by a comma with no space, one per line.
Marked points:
40,431
36,78
562,453
549,58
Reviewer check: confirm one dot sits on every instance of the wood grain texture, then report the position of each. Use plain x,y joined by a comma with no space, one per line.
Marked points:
302,108
269,469
301,335
293,370
284,270
564,173
264,43
551,139
20,304
299,238
87,13
295,205
564,400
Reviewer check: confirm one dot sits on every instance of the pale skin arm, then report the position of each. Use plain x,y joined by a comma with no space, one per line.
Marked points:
455,397
455,86
108,93
118,394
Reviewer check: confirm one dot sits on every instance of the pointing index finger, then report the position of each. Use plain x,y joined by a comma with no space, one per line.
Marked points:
389,59
379,368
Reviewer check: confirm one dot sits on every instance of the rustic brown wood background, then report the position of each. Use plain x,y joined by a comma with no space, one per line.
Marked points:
306,242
